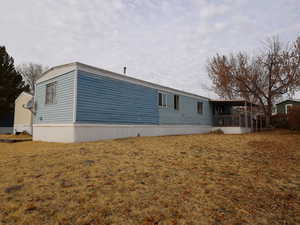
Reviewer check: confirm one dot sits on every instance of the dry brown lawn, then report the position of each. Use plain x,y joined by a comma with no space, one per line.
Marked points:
194,179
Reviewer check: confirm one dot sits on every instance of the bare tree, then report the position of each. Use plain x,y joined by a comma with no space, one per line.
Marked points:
31,72
263,78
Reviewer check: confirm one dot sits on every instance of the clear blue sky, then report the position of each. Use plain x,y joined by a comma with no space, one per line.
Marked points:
163,41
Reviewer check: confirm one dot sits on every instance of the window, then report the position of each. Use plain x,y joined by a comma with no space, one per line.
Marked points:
274,110
287,107
176,102
162,100
219,109
200,107
50,93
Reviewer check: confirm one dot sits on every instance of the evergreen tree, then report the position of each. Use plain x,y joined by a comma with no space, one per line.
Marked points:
11,83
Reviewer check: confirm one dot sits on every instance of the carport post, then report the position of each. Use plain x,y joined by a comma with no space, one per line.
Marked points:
251,116
246,117
260,117
256,122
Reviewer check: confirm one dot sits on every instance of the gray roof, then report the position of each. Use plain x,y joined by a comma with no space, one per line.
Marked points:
55,71
292,100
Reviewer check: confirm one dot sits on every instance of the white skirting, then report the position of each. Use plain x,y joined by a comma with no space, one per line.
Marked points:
23,128
6,130
94,132
233,130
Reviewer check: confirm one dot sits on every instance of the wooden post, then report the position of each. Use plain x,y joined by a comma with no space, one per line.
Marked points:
260,122
251,116
246,117
256,123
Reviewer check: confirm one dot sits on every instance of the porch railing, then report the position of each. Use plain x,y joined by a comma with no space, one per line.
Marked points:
233,120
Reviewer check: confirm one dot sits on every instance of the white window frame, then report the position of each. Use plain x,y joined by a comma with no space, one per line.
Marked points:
274,110
163,100
178,103
201,113
50,93
286,107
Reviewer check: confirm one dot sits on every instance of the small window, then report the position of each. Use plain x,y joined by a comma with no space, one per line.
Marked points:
50,93
176,102
200,107
162,100
219,109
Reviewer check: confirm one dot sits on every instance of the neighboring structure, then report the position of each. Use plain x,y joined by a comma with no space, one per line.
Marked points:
76,102
23,117
6,123
282,107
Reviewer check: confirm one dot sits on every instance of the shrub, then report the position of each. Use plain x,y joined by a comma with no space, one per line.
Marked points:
218,131
293,118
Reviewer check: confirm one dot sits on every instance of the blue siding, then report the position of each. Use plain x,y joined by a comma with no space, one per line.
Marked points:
62,111
187,113
105,100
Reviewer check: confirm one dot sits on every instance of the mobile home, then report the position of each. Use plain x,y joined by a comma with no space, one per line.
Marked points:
77,102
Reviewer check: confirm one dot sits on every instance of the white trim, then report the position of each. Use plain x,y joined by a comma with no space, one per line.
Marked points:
62,69
57,71
233,130
95,132
75,96
166,101
110,125
202,112
52,86
178,103
53,133
274,110
286,107
53,125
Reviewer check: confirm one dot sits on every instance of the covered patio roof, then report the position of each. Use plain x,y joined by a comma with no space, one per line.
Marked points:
235,102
